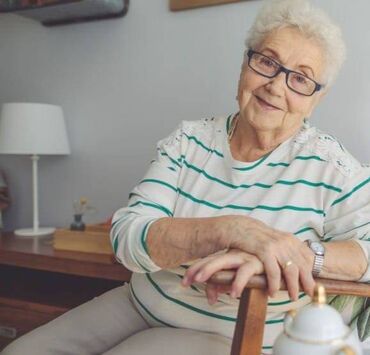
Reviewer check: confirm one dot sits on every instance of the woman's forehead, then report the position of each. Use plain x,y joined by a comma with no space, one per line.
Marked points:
293,49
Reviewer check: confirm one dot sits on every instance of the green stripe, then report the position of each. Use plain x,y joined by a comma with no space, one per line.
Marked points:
191,286
161,183
236,207
228,124
282,182
188,306
161,208
253,166
356,188
261,207
115,245
147,311
267,347
309,157
303,230
132,194
309,183
298,157
171,159
143,238
328,239
114,225
284,302
350,230
138,262
212,178
278,164
274,321
203,146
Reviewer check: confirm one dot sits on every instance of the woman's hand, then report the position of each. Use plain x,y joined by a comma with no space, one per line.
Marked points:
246,266
282,254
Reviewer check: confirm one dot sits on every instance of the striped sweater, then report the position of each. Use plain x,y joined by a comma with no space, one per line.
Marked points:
309,186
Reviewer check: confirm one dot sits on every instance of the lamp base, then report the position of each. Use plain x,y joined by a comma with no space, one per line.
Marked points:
30,232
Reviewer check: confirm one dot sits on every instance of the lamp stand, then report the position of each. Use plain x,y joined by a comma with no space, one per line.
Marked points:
36,231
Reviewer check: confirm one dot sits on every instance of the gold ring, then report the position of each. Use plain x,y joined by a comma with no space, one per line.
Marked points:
288,263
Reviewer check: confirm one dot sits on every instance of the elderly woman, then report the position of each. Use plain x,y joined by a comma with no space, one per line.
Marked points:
261,191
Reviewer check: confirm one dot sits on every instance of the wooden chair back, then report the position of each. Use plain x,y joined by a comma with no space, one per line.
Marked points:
248,334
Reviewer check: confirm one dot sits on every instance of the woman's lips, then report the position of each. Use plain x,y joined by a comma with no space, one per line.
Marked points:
265,105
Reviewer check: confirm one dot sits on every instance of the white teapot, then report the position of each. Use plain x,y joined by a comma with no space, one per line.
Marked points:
316,329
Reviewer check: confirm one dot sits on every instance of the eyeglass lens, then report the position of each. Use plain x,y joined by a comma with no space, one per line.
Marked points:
267,67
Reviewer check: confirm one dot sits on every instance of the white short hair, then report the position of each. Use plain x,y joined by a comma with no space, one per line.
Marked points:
310,20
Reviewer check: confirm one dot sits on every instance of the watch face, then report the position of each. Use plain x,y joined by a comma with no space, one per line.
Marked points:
317,248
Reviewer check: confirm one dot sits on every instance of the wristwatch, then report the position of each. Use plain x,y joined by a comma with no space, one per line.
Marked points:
319,251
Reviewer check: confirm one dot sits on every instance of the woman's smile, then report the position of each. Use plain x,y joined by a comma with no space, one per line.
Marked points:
265,105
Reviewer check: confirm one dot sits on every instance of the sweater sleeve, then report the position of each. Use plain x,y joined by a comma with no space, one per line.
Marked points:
348,216
153,198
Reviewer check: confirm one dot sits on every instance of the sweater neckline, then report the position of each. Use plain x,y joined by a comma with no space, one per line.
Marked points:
251,167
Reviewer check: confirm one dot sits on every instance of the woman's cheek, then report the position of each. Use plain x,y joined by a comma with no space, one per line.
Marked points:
244,98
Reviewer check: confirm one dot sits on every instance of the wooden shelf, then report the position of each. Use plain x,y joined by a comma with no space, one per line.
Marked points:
60,12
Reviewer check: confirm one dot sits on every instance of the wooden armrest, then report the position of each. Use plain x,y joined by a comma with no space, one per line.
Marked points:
334,287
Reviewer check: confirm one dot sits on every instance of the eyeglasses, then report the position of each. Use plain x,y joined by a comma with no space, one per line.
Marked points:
269,68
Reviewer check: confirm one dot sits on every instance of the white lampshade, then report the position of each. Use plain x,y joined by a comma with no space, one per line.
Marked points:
32,128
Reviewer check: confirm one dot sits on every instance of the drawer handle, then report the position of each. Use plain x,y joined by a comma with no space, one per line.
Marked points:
8,332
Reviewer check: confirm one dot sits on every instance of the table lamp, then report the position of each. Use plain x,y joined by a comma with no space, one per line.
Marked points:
33,129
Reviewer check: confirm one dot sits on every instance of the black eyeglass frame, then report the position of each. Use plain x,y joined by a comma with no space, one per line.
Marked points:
281,68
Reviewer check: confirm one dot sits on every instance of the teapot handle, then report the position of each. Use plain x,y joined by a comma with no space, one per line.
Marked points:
346,350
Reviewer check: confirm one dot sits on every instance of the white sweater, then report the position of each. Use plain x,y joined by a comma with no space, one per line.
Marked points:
309,185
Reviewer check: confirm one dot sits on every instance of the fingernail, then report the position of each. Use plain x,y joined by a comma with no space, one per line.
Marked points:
233,294
185,281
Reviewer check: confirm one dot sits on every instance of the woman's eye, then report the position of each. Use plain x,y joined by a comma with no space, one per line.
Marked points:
300,79
267,62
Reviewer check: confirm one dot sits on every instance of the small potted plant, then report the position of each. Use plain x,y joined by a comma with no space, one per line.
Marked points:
80,207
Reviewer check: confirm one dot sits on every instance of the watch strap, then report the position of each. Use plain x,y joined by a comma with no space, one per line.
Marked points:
318,261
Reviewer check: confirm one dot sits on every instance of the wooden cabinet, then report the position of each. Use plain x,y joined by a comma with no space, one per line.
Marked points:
38,283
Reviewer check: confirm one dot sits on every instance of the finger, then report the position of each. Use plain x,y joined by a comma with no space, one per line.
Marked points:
307,281
212,294
273,274
243,275
305,274
190,273
291,276
222,262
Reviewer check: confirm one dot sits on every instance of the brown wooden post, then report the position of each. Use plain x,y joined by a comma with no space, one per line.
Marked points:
248,334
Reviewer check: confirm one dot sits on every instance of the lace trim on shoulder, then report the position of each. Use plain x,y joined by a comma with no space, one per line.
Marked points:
201,129
328,148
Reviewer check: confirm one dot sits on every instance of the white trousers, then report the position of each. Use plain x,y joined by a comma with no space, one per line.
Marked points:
111,325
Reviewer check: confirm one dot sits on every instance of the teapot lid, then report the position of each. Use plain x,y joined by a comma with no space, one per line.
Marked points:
317,321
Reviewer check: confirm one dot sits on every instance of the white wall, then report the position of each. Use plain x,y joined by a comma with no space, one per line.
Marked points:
126,83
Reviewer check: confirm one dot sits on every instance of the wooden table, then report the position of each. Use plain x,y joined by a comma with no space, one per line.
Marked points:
38,283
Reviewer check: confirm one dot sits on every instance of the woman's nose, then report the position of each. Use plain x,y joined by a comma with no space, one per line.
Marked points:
277,85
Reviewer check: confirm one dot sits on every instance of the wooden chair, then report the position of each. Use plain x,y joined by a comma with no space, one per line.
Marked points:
248,334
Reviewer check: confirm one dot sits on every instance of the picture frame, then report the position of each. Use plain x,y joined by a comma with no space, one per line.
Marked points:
178,5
